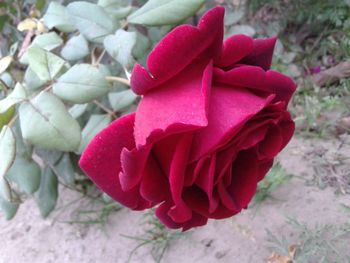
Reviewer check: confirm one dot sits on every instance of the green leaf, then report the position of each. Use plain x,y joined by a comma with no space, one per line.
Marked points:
5,189
121,100
76,48
141,46
40,4
5,63
48,192
91,20
165,12
82,83
45,122
57,16
7,150
44,63
233,17
22,149
114,7
8,208
7,79
47,41
32,80
6,117
95,124
65,169
16,96
26,174
120,46
77,110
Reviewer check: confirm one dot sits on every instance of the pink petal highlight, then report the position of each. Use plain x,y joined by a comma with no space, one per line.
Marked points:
179,106
229,109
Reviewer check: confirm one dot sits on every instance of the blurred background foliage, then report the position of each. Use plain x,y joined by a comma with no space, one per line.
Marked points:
65,66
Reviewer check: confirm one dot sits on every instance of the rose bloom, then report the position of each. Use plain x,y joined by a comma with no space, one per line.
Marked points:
211,120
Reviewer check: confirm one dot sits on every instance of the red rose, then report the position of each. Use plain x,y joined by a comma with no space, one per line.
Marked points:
211,119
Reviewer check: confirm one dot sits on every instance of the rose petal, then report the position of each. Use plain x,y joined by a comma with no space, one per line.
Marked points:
133,164
272,143
179,106
255,78
261,55
101,161
263,168
162,213
287,127
205,181
195,221
180,211
178,49
225,118
154,186
226,198
244,178
281,85
244,76
235,48
193,171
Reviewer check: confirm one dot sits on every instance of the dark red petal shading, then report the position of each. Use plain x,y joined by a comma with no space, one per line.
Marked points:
262,53
281,85
272,143
263,168
235,48
179,106
101,161
195,221
133,165
229,109
244,76
154,186
255,78
180,211
162,213
244,178
205,181
178,49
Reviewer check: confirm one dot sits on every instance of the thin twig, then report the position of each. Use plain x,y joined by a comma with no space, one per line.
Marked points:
100,57
118,79
109,111
12,121
26,43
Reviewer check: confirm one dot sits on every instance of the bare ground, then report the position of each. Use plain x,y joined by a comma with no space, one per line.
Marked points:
243,238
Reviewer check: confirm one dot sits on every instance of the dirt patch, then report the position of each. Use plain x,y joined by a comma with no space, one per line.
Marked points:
243,238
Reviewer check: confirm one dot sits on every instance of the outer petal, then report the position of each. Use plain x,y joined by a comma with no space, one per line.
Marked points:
154,186
180,211
255,78
244,76
262,53
244,178
235,48
229,109
281,85
178,49
133,165
179,106
101,161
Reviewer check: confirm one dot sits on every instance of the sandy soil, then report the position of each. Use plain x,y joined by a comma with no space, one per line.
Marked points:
243,238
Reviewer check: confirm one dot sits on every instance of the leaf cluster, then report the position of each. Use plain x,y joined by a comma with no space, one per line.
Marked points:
64,79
